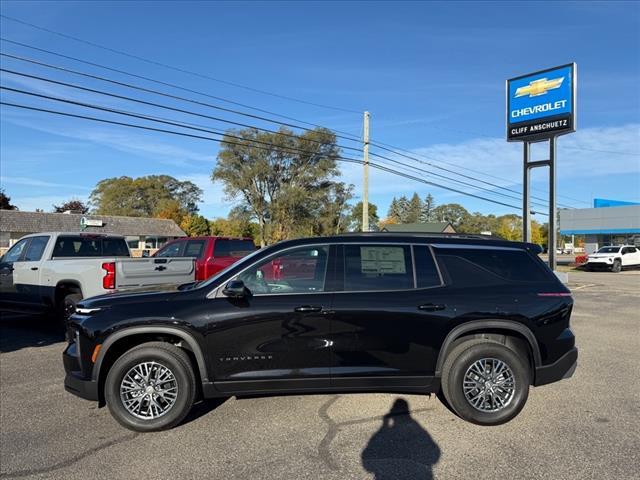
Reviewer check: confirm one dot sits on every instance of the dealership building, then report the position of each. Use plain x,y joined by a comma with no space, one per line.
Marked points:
141,233
609,222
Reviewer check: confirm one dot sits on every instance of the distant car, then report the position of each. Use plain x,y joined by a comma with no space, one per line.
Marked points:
212,254
54,271
614,258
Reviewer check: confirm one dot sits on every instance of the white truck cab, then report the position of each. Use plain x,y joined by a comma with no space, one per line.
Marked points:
614,258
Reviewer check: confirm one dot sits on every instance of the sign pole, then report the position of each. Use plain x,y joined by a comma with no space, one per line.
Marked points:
552,203
526,207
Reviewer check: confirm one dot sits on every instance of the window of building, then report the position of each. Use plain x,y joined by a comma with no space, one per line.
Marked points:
377,267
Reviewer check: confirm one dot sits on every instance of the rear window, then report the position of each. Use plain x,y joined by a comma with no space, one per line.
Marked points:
233,248
90,247
426,270
483,267
377,267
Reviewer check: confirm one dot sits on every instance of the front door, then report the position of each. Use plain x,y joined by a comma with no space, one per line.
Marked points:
386,320
8,289
278,337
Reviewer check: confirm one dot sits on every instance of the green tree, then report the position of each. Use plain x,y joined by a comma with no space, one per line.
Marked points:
356,217
282,179
5,201
414,209
394,214
454,213
427,209
195,225
74,205
510,227
141,197
403,209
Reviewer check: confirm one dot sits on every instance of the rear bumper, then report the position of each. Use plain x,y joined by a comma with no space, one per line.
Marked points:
564,367
74,382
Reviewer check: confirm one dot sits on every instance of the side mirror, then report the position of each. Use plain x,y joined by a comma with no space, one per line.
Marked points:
145,254
235,289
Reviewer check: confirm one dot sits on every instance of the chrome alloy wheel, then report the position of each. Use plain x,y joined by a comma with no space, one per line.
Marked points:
148,390
489,385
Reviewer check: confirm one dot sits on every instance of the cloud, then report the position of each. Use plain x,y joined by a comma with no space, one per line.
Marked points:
34,182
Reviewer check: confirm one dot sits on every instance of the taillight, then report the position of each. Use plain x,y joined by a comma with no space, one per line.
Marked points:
109,279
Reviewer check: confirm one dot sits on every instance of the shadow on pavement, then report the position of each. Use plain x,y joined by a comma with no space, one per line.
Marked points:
401,448
23,330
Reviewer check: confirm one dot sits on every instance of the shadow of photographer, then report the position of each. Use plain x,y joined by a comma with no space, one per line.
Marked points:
401,448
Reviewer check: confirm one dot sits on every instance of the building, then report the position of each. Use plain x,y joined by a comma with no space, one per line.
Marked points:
141,233
609,222
428,227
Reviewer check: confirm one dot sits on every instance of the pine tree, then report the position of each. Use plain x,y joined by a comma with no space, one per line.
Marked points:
403,209
414,209
394,212
427,209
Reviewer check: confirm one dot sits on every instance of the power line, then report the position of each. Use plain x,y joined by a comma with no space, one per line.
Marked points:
218,119
347,135
178,69
338,158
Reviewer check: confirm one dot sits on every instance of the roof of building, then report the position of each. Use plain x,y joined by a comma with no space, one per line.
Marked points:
428,227
33,222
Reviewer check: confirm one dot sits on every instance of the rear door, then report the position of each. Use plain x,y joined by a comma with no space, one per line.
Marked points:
383,327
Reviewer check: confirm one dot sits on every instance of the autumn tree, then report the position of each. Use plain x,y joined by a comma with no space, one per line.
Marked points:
195,225
286,181
74,205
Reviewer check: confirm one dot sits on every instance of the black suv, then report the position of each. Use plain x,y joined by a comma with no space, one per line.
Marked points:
476,319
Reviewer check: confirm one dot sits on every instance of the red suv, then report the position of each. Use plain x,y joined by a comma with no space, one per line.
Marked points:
212,254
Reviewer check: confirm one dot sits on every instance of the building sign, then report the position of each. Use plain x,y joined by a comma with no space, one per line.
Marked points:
90,222
542,104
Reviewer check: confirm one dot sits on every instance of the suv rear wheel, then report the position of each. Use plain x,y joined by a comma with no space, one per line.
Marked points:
485,382
151,387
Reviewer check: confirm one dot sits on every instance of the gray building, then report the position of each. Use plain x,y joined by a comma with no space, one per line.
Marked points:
141,233
608,223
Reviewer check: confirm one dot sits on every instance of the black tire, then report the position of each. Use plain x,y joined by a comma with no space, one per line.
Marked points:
68,306
168,356
461,358
617,266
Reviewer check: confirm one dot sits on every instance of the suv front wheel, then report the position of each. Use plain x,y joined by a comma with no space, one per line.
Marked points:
151,387
485,382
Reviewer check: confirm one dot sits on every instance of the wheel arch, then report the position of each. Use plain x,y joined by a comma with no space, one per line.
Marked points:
132,336
490,326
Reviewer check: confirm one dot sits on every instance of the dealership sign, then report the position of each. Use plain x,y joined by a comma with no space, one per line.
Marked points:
542,104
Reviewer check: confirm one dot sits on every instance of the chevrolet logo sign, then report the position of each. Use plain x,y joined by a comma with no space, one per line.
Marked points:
539,87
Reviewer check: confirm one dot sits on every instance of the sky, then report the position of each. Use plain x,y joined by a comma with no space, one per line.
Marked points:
432,75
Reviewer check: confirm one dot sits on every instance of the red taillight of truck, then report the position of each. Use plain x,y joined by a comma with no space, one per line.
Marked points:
109,279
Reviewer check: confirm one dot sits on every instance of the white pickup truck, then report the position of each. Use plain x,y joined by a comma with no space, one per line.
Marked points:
614,258
56,270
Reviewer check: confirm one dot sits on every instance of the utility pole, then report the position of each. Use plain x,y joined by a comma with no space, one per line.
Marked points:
365,183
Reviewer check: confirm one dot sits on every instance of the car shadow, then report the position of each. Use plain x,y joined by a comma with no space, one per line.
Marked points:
202,408
18,330
401,448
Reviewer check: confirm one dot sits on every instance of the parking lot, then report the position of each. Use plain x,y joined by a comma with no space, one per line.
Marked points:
585,427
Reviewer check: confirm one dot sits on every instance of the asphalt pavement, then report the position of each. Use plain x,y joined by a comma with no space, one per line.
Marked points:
582,428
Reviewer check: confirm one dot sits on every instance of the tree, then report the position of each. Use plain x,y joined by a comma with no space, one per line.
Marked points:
195,225
5,201
284,180
142,196
510,227
428,205
74,205
394,214
454,213
414,209
356,217
170,209
403,208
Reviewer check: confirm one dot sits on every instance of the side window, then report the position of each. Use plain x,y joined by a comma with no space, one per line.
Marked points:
302,270
426,270
173,250
233,248
36,249
377,267
194,248
115,247
484,267
15,252
633,249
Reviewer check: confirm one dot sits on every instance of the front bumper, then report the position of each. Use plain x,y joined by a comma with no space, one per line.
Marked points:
564,367
74,382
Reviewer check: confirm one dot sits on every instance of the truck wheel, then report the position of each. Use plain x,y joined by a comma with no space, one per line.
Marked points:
485,382
150,387
617,266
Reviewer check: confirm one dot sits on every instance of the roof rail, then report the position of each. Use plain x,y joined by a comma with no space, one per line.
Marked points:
423,234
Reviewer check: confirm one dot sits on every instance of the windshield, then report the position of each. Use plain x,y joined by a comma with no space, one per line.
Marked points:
609,250
243,261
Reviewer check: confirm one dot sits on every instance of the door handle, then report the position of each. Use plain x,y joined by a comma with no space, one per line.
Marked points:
308,309
34,268
431,307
